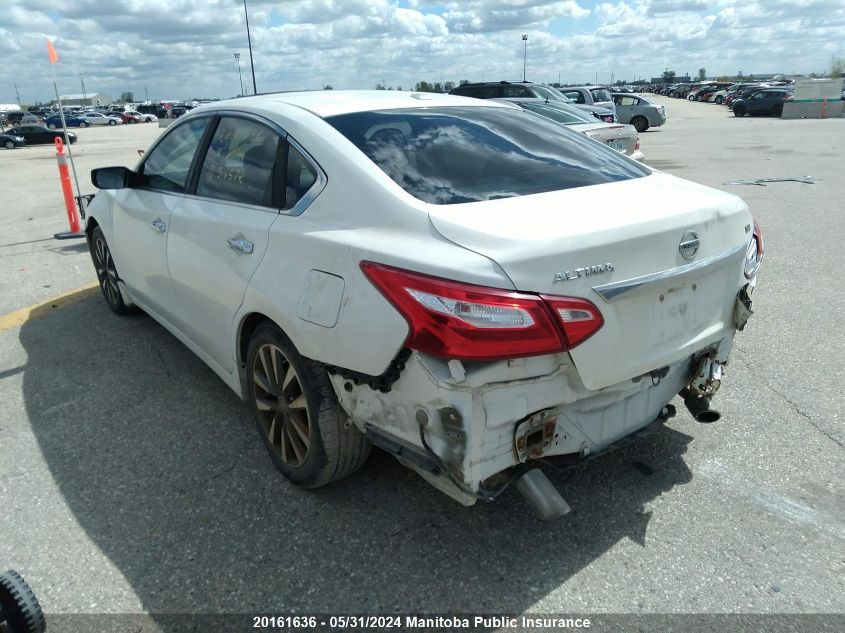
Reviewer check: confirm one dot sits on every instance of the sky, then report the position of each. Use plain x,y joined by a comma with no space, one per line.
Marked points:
180,49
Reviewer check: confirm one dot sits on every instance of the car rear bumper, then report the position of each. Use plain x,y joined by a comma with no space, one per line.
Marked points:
471,415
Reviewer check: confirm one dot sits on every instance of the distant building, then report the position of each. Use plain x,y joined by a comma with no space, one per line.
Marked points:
9,107
94,99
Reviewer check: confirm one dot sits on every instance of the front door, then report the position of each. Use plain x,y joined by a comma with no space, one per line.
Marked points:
143,214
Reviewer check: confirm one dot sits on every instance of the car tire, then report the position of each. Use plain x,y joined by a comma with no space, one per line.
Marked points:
9,145
86,124
739,110
52,126
719,100
107,275
19,606
297,414
112,122
777,110
691,98
640,123
133,120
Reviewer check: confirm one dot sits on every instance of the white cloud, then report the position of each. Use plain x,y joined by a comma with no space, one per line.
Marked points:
181,48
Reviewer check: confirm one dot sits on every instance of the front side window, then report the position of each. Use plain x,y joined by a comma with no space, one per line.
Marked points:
450,155
575,95
240,163
169,162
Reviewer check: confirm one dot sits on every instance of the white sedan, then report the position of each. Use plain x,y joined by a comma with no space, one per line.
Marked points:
98,118
468,286
623,138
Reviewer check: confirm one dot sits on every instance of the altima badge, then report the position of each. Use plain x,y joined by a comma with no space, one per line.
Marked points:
689,245
588,271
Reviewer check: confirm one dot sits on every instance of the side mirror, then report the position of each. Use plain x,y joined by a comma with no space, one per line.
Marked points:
112,177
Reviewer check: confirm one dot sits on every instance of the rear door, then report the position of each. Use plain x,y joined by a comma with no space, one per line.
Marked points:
219,235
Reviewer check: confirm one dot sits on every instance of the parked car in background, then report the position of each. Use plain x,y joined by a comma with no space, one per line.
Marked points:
483,255
590,95
55,122
638,111
19,117
130,117
40,135
744,93
143,117
11,140
99,118
769,101
622,138
528,90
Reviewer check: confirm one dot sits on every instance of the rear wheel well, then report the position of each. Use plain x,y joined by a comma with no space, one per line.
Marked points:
248,326
89,229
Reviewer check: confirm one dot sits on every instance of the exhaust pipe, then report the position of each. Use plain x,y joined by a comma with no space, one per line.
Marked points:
541,495
699,407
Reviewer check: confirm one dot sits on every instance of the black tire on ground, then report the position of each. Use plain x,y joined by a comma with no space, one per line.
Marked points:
777,110
112,122
691,98
640,123
18,605
10,145
133,120
719,99
52,126
107,275
739,110
292,407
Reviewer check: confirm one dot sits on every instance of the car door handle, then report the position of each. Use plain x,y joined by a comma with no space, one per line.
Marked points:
159,225
240,245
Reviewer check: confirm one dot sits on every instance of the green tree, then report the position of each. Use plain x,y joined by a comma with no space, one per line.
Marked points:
702,74
380,87
668,76
328,87
423,86
463,82
449,86
127,96
837,67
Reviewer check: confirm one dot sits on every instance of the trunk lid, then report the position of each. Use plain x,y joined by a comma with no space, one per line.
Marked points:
618,245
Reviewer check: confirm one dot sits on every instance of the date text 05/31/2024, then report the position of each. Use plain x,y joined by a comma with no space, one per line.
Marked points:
418,622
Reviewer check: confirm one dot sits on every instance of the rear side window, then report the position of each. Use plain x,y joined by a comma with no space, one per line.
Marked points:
575,95
600,94
299,178
168,163
451,155
516,91
240,163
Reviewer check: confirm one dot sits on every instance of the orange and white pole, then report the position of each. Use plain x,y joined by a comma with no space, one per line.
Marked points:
67,192
824,109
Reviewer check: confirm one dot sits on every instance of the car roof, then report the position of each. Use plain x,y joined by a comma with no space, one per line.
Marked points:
326,103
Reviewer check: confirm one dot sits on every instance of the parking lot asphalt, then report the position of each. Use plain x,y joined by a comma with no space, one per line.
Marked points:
132,480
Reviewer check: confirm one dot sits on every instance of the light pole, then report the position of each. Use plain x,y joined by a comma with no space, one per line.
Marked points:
84,93
249,41
238,59
524,55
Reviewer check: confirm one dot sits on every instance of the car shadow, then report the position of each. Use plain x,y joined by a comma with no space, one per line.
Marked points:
161,466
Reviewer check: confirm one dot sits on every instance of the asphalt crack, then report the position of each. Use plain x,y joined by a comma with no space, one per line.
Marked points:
794,405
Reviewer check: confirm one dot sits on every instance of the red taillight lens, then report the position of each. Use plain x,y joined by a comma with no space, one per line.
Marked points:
468,322
579,318
754,254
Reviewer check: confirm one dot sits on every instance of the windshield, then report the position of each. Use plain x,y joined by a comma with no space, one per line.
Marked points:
600,94
450,155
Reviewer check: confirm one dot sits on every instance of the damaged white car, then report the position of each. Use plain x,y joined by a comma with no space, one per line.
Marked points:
463,284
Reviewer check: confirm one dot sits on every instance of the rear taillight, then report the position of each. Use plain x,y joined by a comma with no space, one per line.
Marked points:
637,146
468,322
754,254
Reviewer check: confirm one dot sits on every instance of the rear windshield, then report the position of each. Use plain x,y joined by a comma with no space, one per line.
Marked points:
568,116
450,155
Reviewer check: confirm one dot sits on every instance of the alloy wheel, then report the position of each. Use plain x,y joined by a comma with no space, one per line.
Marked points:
281,404
10,145
106,271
